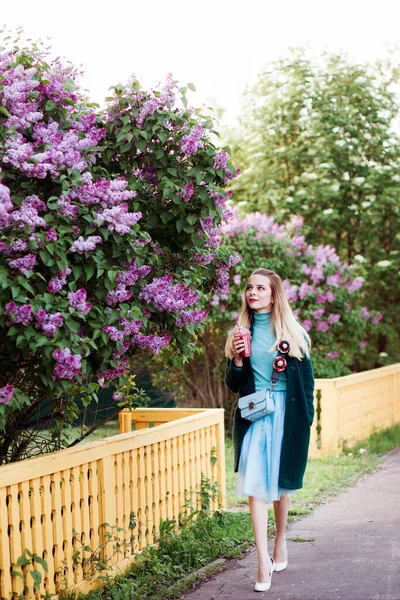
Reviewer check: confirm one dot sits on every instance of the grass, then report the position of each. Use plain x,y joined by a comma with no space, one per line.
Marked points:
166,571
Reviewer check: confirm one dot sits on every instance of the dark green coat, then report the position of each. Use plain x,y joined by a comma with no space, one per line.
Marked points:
299,415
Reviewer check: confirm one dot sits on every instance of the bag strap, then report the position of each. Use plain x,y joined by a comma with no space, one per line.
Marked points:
275,374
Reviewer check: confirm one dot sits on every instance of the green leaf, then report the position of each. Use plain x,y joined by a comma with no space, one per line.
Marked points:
22,561
41,562
37,578
50,105
192,87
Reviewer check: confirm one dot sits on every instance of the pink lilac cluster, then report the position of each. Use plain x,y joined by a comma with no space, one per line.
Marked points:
151,342
6,394
68,365
377,318
221,160
51,235
48,323
220,204
57,282
28,214
114,373
166,296
187,192
18,314
191,316
66,209
81,245
355,284
15,247
5,205
329,296
334,354
78,300
132,274
118,295
24,264
203,259
119,219
147,109
105,192
192,142
128,328
18,84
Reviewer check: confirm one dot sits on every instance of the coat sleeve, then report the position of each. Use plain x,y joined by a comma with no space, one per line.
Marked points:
233,376
308,376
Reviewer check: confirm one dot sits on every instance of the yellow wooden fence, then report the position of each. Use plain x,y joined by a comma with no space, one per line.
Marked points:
353,407
54,504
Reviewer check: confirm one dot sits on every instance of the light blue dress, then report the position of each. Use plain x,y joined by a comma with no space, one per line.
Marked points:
260,453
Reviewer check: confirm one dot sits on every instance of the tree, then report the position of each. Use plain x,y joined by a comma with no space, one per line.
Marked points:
327,297
106,220
319,139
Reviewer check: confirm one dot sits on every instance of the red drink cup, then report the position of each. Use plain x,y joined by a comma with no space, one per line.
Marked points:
246,337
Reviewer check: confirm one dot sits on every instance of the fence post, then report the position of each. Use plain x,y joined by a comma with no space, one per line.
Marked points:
221,458
107,511
328,418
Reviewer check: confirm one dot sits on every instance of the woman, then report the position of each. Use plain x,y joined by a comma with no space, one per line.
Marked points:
270,453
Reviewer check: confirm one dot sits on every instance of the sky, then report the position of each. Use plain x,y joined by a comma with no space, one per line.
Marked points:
219,45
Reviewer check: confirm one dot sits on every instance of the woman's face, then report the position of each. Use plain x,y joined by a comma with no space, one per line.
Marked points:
258,293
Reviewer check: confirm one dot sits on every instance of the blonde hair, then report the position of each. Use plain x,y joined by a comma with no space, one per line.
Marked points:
283,320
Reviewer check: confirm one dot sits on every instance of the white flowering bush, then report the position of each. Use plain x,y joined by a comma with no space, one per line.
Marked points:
107,219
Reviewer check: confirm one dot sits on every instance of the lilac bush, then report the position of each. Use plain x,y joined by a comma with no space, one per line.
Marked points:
326,295
325,292
107,219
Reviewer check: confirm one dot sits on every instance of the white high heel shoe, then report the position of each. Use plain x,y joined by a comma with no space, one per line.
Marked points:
280,566
264,587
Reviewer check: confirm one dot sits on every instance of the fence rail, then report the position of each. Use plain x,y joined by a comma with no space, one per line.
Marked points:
128,481
353,407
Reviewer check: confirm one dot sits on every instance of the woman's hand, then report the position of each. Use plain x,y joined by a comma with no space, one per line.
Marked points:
237,348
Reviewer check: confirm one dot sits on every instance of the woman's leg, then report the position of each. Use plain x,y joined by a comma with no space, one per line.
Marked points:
281,509
259,519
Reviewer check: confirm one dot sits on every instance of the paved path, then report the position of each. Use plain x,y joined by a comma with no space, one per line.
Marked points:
355,554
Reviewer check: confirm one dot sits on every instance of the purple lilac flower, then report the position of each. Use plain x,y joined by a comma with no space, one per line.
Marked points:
151,342
305,290
191,143
118,295
318,313
22,314
333,319
376,319
221,160
364,313
24,264
51,235
111,374
6,393
48,323
66,209
363,344
57,282
81,245
237,279
290,290
322,326
203,259
78,300
307,324
28,213
68,365
104,192
165,296
333,354
147,109
355,284
335,280
191,316
118,218
187,192
133,273
321,299
5,205
330,296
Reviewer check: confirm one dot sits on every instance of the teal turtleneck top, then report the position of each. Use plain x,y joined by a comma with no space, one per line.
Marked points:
261,360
